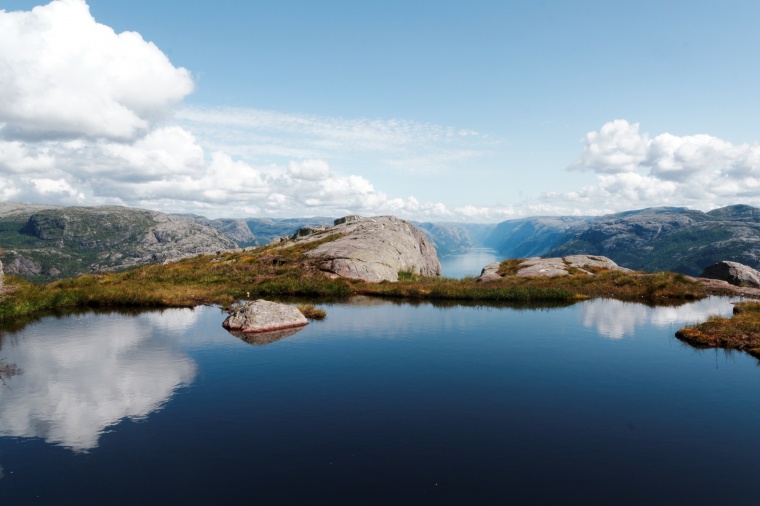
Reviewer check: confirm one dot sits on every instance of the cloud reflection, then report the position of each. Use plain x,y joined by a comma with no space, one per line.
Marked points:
83,374
615,319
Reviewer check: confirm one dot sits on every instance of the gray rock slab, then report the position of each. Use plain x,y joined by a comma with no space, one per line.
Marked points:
542,267
584,261
490,273
555,266
264,316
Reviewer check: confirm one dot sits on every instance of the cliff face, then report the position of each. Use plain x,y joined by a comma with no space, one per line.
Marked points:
530,237
44,242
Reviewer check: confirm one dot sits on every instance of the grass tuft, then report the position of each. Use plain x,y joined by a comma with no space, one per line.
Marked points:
740,332
311,312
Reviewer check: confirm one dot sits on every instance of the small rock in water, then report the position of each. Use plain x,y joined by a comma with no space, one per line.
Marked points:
264,316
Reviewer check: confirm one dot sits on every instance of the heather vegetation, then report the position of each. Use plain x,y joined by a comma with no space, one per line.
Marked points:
279,272
740,332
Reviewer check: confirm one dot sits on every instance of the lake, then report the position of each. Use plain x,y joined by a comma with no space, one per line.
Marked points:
381,403
469,264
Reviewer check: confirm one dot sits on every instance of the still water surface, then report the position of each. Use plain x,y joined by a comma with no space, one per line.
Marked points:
382,403
468,264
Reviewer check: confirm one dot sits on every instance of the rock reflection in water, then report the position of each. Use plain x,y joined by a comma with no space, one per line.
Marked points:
81,377
615,319
262,338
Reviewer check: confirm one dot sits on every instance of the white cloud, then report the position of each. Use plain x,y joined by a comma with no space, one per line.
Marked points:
272,136
311,170
635,171
65,75
79,124
616,147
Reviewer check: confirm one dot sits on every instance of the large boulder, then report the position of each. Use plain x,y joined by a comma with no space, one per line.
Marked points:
376,249
733,272
264,316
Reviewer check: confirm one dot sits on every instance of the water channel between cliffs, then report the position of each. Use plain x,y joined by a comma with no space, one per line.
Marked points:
382,402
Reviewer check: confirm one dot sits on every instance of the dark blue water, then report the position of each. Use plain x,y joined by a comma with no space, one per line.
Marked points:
381,403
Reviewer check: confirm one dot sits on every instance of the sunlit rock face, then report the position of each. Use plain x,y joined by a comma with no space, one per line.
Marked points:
733,272
75,379
376,249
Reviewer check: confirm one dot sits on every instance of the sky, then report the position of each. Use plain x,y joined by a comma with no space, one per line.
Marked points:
476,111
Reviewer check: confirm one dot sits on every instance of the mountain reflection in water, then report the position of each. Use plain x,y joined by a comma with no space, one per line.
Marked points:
85,373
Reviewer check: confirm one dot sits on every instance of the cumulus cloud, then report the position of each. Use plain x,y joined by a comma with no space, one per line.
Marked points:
637,170
65,75
79,126
92,117
616,147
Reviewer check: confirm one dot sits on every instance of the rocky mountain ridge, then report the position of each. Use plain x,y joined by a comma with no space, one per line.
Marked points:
47,242
674,239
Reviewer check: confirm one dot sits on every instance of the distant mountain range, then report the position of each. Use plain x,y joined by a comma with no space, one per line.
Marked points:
44,243
674,239
655,239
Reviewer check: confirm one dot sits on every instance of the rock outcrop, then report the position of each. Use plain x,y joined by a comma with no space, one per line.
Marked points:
733,272
264,316
375,249
555,266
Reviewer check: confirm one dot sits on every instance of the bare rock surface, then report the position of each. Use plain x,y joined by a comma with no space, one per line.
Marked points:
264,316
490,272
734,273
585,261
555,266
375,249
543,267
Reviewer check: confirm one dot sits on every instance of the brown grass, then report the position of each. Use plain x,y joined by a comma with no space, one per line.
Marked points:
287,271
740,332
311,312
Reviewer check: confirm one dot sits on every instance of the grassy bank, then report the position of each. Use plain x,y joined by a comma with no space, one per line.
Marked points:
740,332
272,272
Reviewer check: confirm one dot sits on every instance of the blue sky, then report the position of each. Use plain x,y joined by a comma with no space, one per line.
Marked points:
437,110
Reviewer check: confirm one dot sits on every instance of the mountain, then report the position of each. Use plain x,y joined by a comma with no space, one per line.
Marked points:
43,243
669,238
236,230
452,238
266,229
531,237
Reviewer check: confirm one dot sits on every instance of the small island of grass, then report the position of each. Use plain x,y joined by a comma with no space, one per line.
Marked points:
740,332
